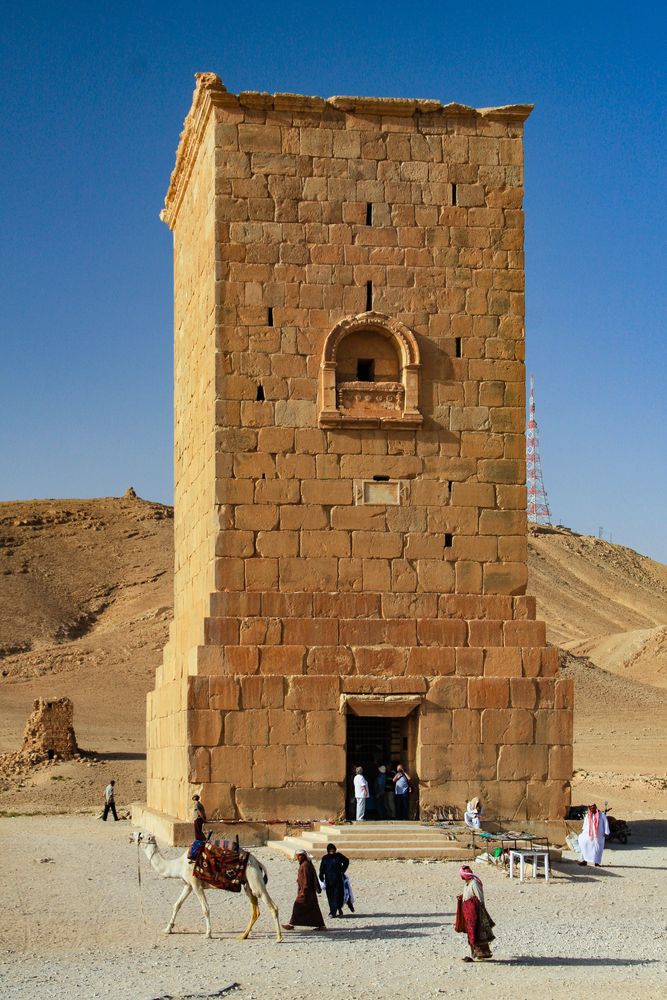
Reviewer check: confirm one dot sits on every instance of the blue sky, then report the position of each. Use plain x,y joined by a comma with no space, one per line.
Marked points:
93,99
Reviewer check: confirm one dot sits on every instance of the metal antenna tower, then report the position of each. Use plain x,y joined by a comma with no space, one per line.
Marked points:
538,505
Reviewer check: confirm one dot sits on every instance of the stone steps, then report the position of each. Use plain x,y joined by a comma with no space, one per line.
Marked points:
380,840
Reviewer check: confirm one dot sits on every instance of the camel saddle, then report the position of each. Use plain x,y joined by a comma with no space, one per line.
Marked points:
221,868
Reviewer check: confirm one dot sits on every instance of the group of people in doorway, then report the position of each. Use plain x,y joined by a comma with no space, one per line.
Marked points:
390,795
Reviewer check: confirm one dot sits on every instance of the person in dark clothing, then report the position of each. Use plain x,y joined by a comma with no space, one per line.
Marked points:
199,818
380,790
332,868
306,910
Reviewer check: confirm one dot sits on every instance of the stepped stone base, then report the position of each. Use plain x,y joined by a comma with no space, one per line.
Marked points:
375,841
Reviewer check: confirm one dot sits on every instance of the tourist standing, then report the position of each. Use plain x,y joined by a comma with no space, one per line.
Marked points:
361,792
592,836
402,791
379,790
472,918
332,870
110,801
306,910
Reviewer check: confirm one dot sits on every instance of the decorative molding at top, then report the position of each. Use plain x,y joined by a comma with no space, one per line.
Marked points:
210,92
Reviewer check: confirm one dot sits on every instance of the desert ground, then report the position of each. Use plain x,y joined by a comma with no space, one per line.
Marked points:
85,605
82,927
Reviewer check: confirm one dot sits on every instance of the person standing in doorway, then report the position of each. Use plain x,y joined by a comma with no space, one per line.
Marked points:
110,801
360,792
379,789
402,791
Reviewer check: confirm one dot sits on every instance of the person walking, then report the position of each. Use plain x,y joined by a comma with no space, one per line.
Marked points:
332,872
361,792
379,790
306,910
402,791
472,917
592,836
110,801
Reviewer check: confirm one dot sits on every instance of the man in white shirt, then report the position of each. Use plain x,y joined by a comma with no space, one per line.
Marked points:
109,802
360,792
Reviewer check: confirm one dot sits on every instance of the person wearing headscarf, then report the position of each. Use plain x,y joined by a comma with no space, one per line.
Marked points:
332,870
477,923
473,814
306,910
592,836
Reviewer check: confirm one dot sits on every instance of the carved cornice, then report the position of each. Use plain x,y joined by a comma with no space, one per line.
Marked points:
210,92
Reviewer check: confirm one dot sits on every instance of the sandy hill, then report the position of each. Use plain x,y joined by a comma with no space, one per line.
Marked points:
85,606
602,601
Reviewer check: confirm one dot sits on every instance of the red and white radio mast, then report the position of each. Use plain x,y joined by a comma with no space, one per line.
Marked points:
538,505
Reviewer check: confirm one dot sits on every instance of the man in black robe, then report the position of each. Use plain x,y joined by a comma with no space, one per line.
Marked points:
332,868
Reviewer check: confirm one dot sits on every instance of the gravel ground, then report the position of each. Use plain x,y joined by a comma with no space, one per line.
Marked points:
79,926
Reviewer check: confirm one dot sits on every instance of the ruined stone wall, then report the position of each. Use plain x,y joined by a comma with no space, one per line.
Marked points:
49,732
401,216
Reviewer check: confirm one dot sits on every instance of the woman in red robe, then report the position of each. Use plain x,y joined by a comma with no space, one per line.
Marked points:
306,910
477,923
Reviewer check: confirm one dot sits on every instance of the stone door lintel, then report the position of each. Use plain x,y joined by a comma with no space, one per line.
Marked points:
393,706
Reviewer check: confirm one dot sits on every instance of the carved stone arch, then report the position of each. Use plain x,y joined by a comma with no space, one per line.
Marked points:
371,403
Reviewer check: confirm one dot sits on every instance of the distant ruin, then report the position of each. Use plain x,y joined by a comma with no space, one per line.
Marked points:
49,732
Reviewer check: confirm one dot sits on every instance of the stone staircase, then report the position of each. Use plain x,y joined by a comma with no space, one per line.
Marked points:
375,841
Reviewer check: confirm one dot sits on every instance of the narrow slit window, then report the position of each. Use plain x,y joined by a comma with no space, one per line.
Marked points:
260,397
459,347
369,213
365,370
453,194
448,540
270,316
369,296
381,479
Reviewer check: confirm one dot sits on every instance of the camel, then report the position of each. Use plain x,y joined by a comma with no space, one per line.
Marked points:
255,885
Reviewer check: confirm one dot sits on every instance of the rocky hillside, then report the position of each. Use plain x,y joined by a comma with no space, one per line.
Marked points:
602,601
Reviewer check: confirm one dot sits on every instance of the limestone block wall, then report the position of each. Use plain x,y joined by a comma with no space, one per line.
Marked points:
355,538
195,521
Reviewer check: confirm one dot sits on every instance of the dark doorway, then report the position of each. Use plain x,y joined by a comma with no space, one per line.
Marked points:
371,742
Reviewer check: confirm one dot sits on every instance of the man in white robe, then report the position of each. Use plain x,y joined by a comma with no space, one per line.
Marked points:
592,836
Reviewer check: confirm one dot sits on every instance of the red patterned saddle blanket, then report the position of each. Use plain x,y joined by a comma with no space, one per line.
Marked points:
222,868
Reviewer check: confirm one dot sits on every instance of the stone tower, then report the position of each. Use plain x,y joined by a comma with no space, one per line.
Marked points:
350,464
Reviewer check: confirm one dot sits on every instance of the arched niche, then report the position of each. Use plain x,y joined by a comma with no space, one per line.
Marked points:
370,374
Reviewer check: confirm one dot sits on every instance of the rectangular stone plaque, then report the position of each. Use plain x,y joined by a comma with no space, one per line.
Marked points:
369,491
